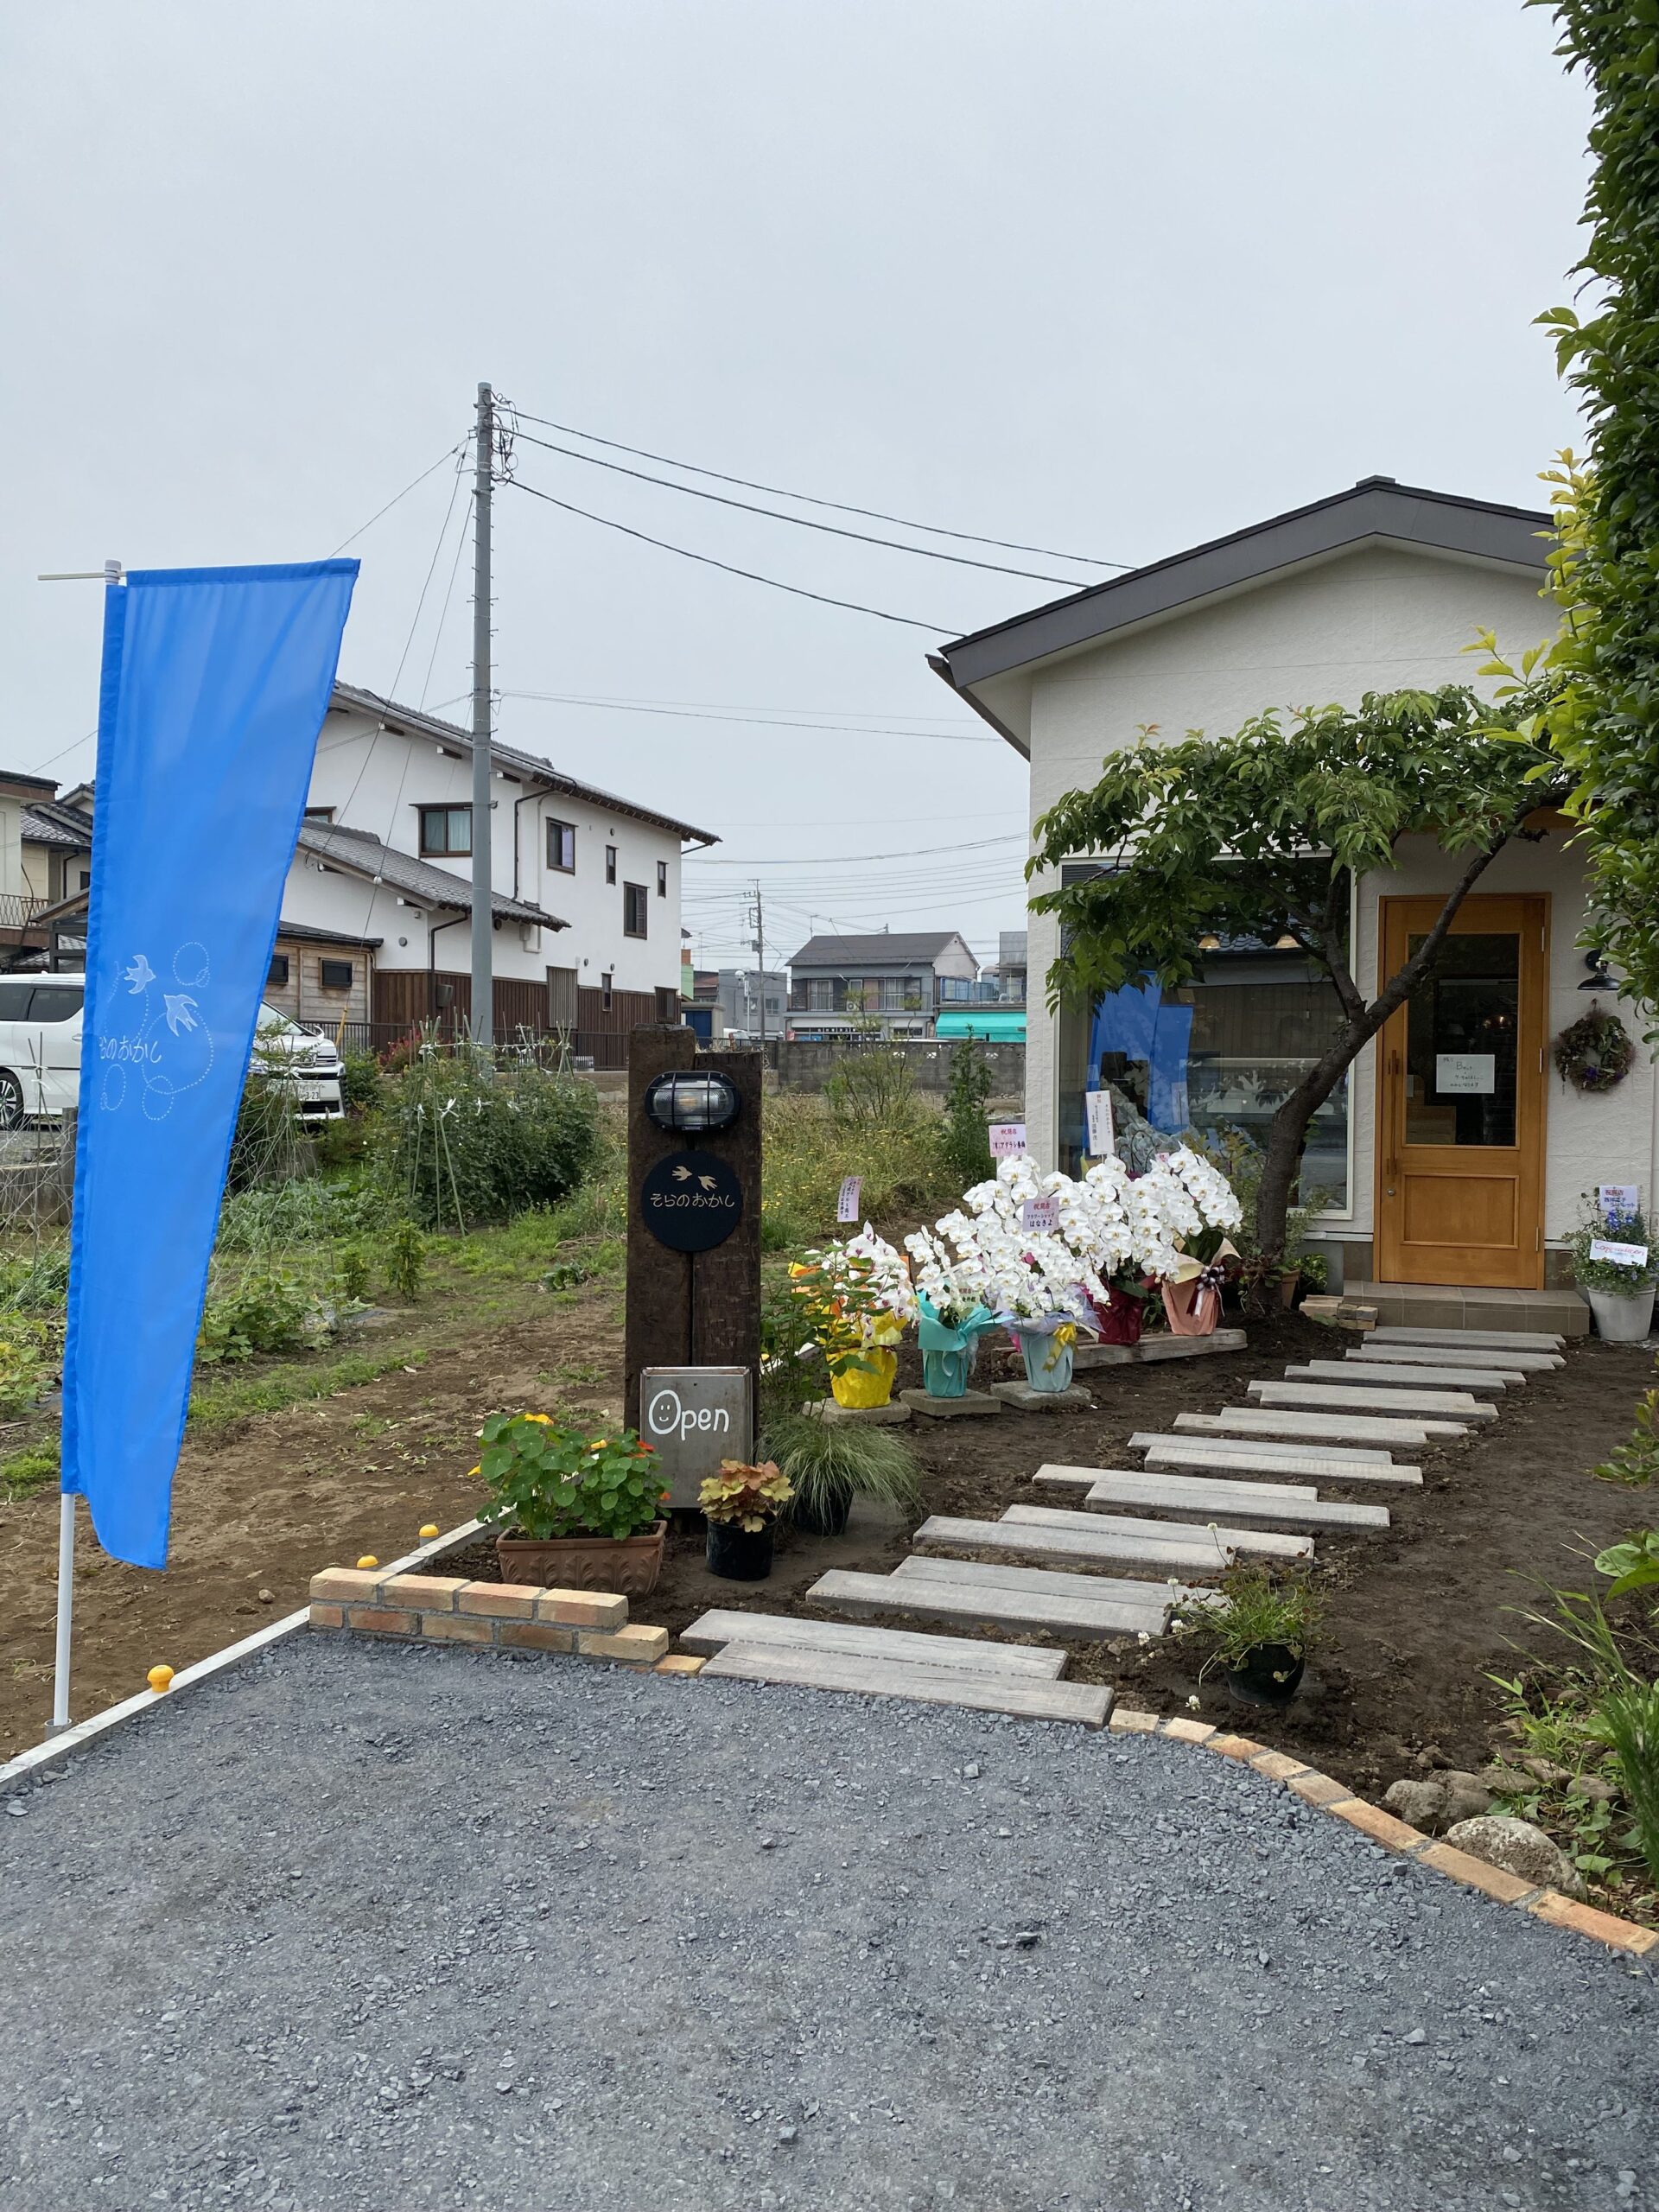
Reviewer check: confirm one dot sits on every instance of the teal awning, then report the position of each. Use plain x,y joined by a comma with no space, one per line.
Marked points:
996,1025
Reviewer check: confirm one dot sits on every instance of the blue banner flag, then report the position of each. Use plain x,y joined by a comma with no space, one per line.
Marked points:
215,684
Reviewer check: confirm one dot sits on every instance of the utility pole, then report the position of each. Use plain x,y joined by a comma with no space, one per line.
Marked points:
760,948
483,840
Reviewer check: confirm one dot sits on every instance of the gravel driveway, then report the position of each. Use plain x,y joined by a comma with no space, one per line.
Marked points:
398,1928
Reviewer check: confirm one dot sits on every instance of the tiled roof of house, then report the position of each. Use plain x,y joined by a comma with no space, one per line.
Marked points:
366,855
49,821
882,950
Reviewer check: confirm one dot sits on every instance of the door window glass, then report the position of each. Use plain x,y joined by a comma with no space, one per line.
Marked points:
55,1002
1461,1032
13,1001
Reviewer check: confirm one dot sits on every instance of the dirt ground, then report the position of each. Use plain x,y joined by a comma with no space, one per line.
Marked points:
259,1508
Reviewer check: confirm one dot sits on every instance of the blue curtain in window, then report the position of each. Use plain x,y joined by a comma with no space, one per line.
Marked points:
1137,1022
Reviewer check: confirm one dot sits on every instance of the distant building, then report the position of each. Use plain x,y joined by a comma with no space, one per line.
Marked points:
893,984
1009,973
738,992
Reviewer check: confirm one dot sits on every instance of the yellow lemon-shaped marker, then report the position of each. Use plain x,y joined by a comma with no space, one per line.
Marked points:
429,1530
160,1678
368,1560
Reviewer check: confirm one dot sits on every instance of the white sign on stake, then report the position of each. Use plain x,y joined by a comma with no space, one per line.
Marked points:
1619,1201
1618,1256
847,1204
1103,1133
1465,1072
1007,1140
1042,1215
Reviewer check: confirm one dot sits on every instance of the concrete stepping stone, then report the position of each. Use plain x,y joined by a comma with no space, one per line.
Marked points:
1088,1704
888,1416
1504,1339
1082,1480
1191,1497
1406,1377
1359,1455
1193,1553
969,1602
1150,1350
1339,1428
1202,1452
1151,1599
1458,1356
1265,1543
1025,1400
1315,1397
713,1630
969,1404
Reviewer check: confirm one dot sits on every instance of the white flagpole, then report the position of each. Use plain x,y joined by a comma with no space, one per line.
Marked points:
110,573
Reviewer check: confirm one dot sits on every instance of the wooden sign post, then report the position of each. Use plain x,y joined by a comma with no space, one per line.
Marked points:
694,1222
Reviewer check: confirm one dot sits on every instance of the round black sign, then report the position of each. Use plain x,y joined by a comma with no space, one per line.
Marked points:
691,1202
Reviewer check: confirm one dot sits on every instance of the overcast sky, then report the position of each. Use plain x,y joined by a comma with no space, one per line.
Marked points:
1096,275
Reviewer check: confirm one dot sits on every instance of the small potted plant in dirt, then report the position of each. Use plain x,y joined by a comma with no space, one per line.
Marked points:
828,1464
1260,1627
1619,1289
741,1504
573,1511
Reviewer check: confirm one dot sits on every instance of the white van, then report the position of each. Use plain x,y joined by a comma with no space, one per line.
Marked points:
40,1053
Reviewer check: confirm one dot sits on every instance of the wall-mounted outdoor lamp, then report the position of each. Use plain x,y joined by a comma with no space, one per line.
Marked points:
690,1105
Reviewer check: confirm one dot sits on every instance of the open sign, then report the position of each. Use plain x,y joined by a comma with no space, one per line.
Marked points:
694,1417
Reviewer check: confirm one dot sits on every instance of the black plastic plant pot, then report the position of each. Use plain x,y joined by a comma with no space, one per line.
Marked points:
739,1554
822,1515
1271,1675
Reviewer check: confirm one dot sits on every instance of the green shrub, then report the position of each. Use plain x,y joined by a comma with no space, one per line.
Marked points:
829,1462
546,1480
405,1250
965,1143
807,1152
351,1274
1635,1462
362,1084
1629,1714
469,1142
873,1088
263,1312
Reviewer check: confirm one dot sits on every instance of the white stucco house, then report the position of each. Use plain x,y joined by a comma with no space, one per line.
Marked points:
377,908
1457,1160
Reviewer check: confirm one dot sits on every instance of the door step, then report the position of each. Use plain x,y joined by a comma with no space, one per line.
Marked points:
1328,1465
1458,1355
970,1603
712,1631
1262,1543
1193,1554
1315,1397
1340,1428
1212,1502
1088,1704
1503,1339
1406,1377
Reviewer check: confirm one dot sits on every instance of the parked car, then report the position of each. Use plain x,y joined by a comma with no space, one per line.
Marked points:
40,1053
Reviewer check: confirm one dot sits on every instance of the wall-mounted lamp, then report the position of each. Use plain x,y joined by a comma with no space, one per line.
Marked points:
689,1104
1209,942
1598,979
1286,944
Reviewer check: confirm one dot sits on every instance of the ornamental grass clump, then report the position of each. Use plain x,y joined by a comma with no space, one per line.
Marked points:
745,1497
828,1464
547,1480
1258,1606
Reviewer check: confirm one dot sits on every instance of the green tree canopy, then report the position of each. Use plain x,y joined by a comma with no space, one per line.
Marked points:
1257,835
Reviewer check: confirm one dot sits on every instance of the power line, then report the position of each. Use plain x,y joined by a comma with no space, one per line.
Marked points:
446,456
800,522
431,570
717,707
853,606
443,612
969,845
755,722
839,506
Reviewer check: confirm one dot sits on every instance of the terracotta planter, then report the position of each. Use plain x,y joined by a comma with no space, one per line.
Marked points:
627,1566
1193,1309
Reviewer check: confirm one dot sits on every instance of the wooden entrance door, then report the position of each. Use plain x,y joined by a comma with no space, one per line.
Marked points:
1460,1098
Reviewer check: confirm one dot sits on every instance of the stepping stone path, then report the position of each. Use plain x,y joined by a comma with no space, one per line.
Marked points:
1242,1483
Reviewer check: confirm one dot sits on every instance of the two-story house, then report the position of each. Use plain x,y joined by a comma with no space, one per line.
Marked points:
891,985
1454,1162
377,912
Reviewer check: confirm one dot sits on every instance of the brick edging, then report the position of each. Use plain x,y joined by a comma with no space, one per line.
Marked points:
517,1616
1332,1797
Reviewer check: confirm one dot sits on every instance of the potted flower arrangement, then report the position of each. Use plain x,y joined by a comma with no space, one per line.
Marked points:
1198,1207
1260,1628
1041,1280
857,1299
741,1504
1620,1292
950,1310
574,1511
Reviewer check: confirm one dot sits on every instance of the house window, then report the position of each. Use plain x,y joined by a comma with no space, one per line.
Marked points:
893,995
820,994
278,973
446,832
668,1005
662,879
604,992
561,847
636,908
610,864
319,813
334,975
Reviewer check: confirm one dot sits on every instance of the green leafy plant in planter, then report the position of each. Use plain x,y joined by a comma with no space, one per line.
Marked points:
828,1464
1261,1628
570,1510
741,1504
